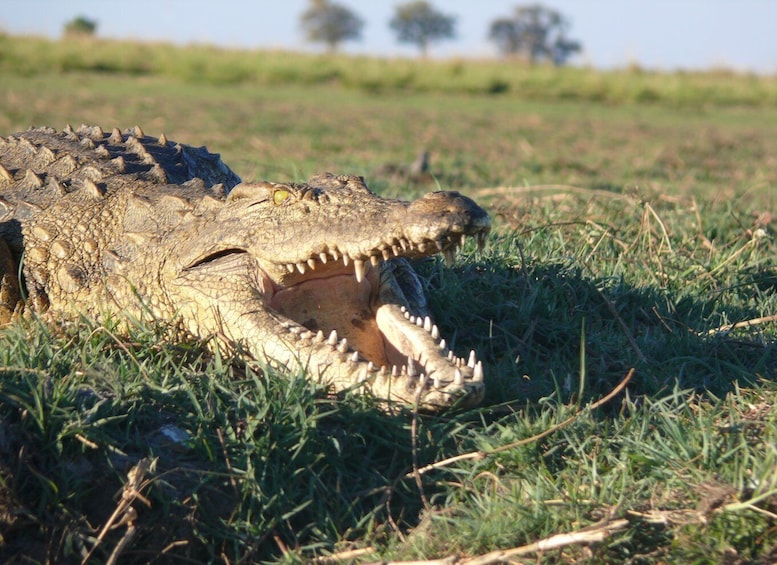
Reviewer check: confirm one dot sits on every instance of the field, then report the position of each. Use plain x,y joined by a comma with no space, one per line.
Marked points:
625,309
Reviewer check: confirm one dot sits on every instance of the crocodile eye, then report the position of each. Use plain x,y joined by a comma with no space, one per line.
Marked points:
280,196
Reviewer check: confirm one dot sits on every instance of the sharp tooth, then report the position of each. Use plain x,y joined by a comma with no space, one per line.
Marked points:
407,315
428,324
450,256
290,267
301,268
370,367
410,367
346,259
320,336
422,247
404,243
334,254
402,309
358,268
343,346
354,358
419,322
436,381
412,319
374,260
332,338
306,335
396,250
450,357
422,381
443,345
472,359
394,371
312,264
477,375
458,378
324,257
435,332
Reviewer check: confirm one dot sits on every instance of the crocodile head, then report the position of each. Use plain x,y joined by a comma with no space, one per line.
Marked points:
327,260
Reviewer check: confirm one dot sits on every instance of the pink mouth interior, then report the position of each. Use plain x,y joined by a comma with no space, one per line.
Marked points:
334,300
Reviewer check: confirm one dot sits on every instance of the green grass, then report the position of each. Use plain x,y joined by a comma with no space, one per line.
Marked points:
202,64
626,236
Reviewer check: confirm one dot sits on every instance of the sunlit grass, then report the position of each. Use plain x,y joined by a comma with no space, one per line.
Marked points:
263,464
637,237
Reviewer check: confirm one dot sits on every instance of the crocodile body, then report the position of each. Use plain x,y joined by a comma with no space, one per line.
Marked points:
311,276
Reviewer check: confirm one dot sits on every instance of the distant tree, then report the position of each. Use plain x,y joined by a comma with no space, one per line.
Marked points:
331,23
420,24
535,32
80,26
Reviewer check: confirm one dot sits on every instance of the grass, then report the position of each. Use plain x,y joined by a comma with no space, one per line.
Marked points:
202,64
626,237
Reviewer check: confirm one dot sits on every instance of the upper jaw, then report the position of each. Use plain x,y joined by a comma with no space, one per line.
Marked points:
438,222
358,261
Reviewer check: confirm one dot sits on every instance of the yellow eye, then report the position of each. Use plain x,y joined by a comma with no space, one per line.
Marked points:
280,196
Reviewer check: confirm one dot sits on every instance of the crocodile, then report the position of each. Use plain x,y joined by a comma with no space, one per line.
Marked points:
312,276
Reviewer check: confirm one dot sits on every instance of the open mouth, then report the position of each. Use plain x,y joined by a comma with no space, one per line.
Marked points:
370,311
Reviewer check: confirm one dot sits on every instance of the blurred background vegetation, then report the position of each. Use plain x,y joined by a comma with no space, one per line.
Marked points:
30,56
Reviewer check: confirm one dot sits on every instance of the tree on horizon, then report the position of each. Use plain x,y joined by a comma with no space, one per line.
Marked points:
80,26
331,23
535,32
420,24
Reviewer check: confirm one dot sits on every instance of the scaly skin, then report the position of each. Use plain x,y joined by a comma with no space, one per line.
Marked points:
310,276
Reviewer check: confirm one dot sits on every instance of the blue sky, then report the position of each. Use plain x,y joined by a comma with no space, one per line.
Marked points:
663,34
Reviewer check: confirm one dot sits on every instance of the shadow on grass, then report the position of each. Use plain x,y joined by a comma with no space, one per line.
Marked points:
242,464
531,323
251,465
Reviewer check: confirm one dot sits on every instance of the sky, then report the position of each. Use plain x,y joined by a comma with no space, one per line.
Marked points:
656,34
